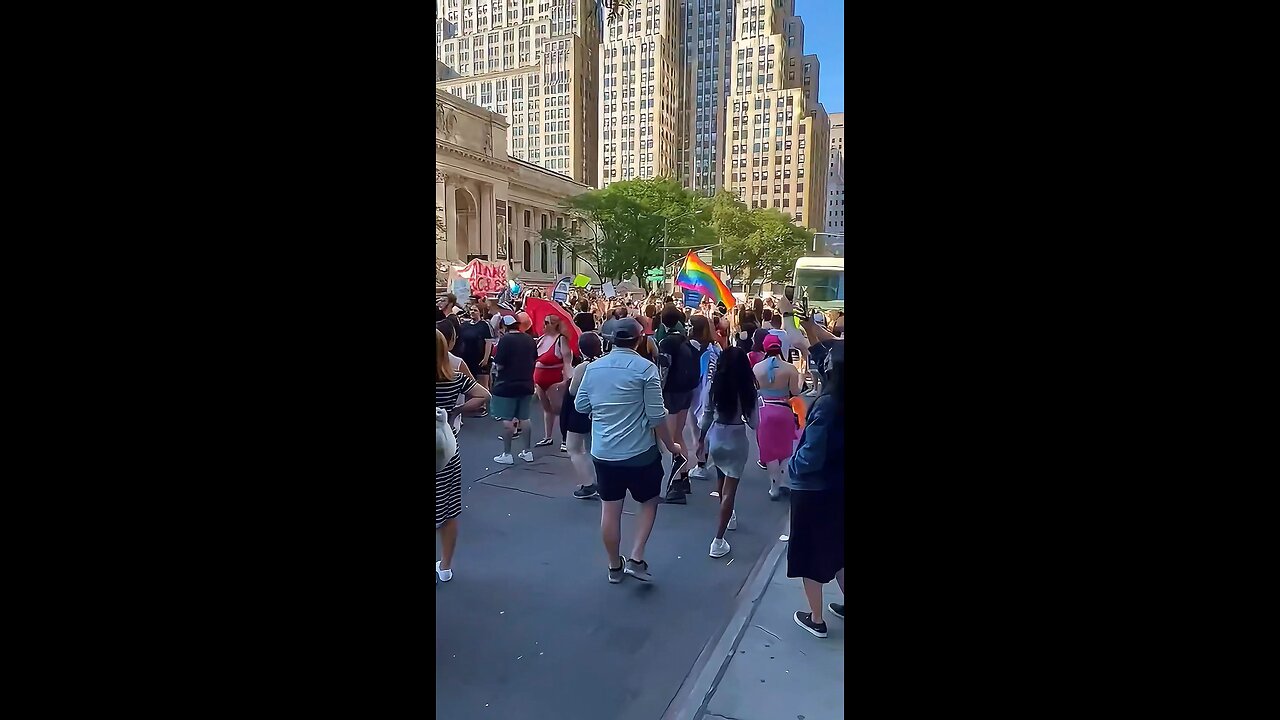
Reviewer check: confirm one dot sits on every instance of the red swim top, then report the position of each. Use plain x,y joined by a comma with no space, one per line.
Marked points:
550,359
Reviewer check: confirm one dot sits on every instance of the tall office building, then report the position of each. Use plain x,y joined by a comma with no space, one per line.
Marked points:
708,63
642,93
777,128
534,62
835,178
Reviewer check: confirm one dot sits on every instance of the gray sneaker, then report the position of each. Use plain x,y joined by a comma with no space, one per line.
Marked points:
615,576
638,570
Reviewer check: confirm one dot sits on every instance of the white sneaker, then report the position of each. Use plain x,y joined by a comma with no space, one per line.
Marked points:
444,575
505,459
698,472
733,521
526,455
719,548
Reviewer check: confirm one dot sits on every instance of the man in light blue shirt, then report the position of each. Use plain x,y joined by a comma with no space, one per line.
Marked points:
623,395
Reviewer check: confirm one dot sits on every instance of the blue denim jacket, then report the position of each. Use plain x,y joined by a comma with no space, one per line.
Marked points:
818,463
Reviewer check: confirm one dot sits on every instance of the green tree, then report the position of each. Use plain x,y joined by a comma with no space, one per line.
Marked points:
757,243
630,222
585,248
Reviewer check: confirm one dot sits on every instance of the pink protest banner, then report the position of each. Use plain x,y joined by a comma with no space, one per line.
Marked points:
485,277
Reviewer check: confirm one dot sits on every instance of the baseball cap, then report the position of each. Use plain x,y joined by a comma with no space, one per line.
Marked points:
508,320
627,329
770,342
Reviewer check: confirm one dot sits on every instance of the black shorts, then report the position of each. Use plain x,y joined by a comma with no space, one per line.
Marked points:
571,420
677,400
643,481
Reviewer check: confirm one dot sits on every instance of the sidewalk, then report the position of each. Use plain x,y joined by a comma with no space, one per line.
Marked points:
774,670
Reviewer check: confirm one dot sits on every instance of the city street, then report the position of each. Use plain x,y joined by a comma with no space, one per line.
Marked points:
529,627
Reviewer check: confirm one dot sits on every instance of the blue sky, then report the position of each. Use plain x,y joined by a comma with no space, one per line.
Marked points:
824,37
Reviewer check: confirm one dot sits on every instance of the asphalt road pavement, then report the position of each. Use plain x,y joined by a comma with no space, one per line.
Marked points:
529,626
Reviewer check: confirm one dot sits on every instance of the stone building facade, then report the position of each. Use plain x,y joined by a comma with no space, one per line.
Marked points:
777,129
494,206
835,177
533,62
643,97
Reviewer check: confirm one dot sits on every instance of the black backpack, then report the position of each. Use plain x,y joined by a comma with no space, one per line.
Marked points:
686,365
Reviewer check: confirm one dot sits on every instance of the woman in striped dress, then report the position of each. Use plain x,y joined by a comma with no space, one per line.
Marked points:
449,385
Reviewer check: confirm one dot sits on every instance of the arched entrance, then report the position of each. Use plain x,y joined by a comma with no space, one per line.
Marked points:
467,220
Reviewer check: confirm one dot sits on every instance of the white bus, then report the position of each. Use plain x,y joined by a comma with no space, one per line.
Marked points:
822,280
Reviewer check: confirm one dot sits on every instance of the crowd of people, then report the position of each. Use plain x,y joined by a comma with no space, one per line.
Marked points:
649,377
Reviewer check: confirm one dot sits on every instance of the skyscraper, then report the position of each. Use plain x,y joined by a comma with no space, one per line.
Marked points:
708,34
533,61
835,177
777,130
642,93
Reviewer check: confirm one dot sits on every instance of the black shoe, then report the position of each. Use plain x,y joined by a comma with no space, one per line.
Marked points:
836,609
676,464
805,620
586,492
675,496
616,574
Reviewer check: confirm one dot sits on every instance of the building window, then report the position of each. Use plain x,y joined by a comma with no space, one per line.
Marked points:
528,220
542,250
528,252
559,259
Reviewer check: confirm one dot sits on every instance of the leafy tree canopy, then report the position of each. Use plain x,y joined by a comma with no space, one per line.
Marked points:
626,225
629,222
757,243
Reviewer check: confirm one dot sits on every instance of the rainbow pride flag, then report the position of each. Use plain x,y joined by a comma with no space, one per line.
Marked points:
697,275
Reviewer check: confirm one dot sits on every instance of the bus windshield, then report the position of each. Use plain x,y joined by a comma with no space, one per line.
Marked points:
822,285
